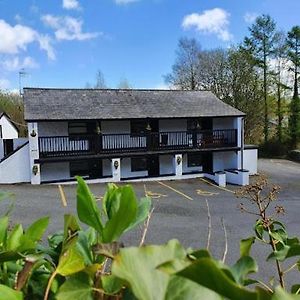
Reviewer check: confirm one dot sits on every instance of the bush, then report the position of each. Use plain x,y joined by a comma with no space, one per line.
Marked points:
273,148
93,264
294,155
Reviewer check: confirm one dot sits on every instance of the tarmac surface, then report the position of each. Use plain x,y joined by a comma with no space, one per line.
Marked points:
180,211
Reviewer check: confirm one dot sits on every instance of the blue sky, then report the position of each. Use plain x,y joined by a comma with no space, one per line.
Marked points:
62,43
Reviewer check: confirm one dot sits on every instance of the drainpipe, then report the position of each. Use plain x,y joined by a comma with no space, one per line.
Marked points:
242,143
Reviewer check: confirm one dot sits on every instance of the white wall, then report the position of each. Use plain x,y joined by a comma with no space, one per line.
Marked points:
53,129
224,160
16,168
250,161
224,123
115,126
126,169
55,171
8,129
172,125
166,164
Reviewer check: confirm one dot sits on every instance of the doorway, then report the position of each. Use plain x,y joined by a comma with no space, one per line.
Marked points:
8,145
153,166
207,164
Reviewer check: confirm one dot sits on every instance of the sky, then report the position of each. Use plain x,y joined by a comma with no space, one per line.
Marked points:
62,43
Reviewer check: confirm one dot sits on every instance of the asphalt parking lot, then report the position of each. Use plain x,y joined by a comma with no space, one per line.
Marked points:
180,209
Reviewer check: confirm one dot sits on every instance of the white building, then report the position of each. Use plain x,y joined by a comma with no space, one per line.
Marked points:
126,134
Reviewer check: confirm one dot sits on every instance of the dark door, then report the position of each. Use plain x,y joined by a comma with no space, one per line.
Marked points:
207,162
154,133
95,168
8,146
153,165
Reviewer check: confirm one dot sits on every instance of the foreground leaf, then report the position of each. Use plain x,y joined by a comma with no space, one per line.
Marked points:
87,209
138,267
7,293
76,287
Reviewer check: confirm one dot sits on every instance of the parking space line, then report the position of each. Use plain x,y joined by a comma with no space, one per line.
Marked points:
176,191
62,196
201,192
219,187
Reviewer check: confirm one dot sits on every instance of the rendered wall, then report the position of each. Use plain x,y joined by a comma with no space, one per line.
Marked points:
224,160
8,130
53,129
55,171
250,161
16,168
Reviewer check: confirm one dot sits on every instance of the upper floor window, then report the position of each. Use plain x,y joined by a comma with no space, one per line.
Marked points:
138,127
0,132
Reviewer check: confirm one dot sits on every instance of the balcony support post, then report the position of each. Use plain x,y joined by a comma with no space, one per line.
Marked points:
178,165
35,169
116,169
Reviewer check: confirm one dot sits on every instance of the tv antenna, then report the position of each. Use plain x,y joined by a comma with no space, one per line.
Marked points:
22,74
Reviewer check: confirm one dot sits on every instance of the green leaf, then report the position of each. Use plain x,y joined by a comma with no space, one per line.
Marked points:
111,202
279,235
180,288
71,227
206,273
295,288
3,229
280,294
78,287
7,293
36,230
199,254
87,209
138,267
122,218
111,284
70,261
143,210
244,266
14,238
245,246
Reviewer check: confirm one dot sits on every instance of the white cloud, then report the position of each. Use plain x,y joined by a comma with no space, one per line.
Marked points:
124,2
250,17
4,84
214,21
14,63
71,4
68,28
16,38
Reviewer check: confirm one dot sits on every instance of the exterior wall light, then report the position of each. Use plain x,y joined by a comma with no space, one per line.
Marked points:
148,127
116,164
33,133
35,169
178,160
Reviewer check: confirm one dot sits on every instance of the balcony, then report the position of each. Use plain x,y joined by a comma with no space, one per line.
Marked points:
58,146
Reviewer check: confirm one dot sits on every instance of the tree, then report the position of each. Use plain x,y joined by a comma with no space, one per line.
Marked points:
293,41
280,65
246,91
185,68
263,37
214,73
124,84
100,81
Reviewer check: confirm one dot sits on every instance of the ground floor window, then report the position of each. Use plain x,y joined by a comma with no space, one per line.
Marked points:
79,168
194,160
138,164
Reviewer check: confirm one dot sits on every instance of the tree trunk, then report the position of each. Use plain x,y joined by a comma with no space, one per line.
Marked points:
279,112
266,113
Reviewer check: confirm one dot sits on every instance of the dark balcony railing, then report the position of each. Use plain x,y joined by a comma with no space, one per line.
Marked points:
53,146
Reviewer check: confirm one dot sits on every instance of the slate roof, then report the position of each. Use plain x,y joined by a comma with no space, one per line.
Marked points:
84,104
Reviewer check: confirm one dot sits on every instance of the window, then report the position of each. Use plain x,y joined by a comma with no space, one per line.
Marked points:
79,168
138,164
0,132
194,160
138,127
